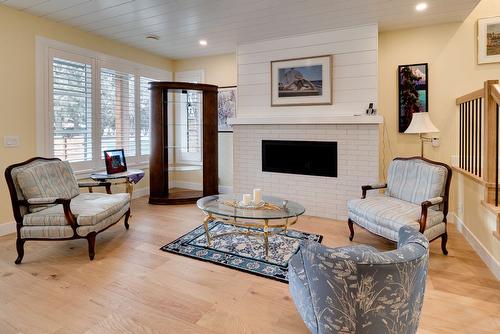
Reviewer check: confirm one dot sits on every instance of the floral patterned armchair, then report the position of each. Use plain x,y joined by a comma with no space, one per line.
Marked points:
47,204
359,290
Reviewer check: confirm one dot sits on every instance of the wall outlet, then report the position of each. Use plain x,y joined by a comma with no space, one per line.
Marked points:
435,142
11,141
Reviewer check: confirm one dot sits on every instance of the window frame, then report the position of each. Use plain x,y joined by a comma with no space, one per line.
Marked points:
46,50
190,158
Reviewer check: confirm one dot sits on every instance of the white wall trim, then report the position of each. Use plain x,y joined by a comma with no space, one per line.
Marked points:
478,247
141,192
331,119
7,228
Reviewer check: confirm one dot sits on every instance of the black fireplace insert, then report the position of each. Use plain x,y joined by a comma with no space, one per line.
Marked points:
317,158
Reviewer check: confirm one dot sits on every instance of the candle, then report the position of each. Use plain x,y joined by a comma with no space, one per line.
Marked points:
257,196
247,199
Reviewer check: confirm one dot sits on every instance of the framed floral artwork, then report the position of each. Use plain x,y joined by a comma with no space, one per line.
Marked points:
226,107
413,83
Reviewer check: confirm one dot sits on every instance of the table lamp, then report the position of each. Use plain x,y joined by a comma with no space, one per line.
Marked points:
421,123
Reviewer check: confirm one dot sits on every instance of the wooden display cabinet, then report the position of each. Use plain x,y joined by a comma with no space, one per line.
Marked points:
184,142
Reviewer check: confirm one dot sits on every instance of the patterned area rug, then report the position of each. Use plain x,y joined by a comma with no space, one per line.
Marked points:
240,251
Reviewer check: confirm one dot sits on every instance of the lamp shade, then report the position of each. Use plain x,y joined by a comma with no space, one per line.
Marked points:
421,123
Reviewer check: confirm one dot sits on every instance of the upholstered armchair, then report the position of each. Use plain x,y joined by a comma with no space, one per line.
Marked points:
359,290
416,195
47,204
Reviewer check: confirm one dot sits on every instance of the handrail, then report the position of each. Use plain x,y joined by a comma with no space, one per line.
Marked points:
470,97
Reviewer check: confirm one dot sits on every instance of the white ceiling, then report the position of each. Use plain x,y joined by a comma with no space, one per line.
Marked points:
180,24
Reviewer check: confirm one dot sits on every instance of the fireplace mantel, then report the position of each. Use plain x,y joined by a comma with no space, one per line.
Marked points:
306,120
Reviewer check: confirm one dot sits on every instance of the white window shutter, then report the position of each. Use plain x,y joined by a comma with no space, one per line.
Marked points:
71,102
118,111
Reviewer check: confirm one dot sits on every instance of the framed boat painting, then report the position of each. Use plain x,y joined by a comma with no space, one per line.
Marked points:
226,107
488,40
301,81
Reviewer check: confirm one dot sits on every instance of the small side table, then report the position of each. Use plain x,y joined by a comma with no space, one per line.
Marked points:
130,177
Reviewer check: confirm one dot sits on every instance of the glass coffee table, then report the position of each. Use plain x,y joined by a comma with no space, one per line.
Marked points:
273,215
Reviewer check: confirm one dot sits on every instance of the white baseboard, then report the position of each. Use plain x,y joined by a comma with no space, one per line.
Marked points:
141,192
7,228
478,247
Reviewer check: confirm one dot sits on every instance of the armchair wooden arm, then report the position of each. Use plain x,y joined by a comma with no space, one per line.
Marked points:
364,189
425,207
91,185
70,217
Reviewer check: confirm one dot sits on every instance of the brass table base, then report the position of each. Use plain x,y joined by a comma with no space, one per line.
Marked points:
267,229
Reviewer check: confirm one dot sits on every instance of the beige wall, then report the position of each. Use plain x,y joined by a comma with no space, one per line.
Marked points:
17,80
450,50
220,71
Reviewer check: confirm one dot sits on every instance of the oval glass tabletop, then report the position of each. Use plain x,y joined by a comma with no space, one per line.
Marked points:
227,205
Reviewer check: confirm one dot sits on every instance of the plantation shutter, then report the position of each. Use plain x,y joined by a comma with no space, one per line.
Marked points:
145,115
118,125
71,102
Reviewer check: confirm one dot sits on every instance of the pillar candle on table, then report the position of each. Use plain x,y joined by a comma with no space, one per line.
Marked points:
257,196
247,199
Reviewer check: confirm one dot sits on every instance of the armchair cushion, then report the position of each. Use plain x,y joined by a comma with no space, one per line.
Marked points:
415,180
88,208
50,179
384,215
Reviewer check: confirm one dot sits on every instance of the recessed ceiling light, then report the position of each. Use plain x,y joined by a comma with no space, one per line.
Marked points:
203,42
421,6
153,37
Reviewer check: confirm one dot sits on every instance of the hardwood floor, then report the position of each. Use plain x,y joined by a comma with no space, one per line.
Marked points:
133,287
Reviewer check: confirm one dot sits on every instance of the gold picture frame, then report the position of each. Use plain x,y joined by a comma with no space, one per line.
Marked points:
488,40
305,81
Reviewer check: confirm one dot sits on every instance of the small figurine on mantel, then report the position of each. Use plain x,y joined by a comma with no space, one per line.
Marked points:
371,111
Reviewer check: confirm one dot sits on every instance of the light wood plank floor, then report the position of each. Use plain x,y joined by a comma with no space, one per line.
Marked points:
133,287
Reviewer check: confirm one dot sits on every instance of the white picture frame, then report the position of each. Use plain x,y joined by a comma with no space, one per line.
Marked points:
488,48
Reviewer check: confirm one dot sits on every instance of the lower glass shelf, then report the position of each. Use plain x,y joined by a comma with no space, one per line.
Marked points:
184,168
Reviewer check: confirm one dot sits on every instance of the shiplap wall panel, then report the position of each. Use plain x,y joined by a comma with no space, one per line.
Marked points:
355,71
365,44
301,41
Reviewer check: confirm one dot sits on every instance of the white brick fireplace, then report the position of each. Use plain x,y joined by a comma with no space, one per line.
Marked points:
354,86
357,140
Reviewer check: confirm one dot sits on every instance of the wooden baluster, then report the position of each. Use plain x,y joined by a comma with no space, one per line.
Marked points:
460,137
480,136
476,123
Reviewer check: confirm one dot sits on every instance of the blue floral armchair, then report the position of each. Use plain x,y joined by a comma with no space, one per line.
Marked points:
359,290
